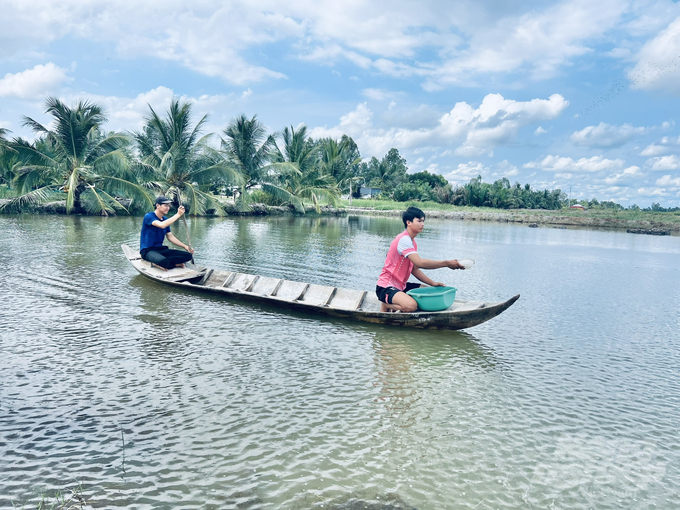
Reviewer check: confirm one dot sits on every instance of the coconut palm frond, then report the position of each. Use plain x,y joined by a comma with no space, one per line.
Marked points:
328,195
29,177
155,186
35,126
158,125
243,200
71,187
147,148
74,125
142,171
283,195
32,155
112,143
214,172
285,168
122,187
112,163
34,197
200,201
193,198
98,202
192,140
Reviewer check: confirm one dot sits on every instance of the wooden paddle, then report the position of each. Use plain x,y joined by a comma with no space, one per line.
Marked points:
179,200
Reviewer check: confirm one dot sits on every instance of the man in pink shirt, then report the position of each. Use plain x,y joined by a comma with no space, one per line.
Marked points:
401,262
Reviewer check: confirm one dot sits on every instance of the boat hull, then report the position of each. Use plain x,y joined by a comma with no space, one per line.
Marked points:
317,299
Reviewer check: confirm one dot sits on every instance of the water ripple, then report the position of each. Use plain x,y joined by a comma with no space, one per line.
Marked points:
154,398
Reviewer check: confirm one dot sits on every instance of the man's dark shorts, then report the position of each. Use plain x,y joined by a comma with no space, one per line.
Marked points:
386,294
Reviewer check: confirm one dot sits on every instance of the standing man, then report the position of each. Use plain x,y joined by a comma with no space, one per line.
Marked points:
155,228
403,261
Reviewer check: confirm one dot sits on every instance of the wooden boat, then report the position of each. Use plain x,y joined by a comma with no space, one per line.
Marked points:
357,305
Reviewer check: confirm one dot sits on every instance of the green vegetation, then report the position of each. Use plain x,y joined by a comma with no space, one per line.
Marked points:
630,214
89,171
70,498
76,162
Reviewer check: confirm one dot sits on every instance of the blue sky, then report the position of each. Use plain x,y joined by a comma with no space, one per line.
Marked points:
573,94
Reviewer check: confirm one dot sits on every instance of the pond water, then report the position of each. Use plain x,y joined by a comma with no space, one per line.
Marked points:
153,397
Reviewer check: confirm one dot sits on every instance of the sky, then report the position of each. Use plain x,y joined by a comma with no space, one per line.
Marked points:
577,95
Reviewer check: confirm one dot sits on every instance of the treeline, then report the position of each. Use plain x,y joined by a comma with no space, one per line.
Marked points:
73,160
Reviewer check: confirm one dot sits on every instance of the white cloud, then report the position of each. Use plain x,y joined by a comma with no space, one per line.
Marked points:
665,145
33,83
652,192
668,181
654,150
606,135
540,131
477,130
564,164
540,40
466,171
379,94
462,173
663,163
619,178
496,121
461,39
658,62
128,113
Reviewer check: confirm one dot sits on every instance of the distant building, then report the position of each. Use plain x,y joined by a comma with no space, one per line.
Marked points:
369,192
577,206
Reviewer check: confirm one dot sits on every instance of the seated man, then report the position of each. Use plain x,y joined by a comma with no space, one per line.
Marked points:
403,261
155,228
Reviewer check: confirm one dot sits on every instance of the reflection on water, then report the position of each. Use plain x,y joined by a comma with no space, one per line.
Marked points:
155,397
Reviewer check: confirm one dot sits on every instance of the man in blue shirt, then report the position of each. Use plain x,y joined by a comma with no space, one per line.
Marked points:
156,228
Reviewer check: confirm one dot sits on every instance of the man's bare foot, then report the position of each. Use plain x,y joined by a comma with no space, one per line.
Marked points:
180,265
159,267
388,309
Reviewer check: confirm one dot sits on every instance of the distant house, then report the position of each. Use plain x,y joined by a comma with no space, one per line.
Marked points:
369,192
577,206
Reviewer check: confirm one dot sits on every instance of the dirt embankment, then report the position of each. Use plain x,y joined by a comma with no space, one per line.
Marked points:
533,218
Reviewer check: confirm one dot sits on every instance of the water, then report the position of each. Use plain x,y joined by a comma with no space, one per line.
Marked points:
157,398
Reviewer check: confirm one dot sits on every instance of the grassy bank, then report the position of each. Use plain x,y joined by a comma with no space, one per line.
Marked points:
592,217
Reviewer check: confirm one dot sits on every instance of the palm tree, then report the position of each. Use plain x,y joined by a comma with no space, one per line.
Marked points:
254,153
6,158
184,165
304,177
75,159
338,160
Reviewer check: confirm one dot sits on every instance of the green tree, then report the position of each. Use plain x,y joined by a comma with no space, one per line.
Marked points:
77,161
7,158
300,175
182,162
253,153
388,172
341,161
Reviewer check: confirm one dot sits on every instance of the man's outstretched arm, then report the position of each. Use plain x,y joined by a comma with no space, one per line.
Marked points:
422,263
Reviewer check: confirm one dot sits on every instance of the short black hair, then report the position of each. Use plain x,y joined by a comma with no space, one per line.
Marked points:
412,213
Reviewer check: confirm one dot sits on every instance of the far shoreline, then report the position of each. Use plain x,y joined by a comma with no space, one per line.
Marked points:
530,217
533,217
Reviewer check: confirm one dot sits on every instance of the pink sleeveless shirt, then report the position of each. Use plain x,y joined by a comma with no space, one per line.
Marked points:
398,267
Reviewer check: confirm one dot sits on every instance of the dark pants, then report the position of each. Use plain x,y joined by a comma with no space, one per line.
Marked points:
165,257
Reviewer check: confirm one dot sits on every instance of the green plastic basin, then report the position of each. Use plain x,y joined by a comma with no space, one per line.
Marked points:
433,299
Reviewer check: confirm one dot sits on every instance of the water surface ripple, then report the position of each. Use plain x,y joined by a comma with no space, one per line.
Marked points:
157,398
